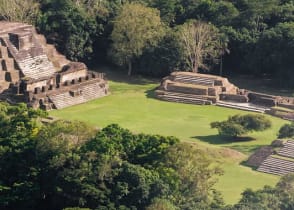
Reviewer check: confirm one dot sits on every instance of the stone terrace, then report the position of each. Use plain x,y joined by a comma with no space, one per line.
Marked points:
194,88
34,72
205,89
282,163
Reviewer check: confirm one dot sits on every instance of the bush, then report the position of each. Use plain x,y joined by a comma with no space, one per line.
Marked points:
238,125
286,131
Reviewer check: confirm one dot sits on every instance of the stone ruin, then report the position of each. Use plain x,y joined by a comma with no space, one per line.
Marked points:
33,72
278,160
203,89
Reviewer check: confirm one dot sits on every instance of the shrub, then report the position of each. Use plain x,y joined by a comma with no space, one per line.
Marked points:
286,131
238,125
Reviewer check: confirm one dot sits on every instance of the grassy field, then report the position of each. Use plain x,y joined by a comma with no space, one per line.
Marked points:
131,105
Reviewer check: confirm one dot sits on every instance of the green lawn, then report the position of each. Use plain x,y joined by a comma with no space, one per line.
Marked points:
131,104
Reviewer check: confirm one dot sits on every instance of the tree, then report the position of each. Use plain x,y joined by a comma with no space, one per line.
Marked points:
19,171
70,28
286,131
201,44
194,177
163,59
19,10
161,204
135,29
280,197
241,124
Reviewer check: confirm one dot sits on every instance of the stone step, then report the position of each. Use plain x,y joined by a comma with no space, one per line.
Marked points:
240,107
290,142
37,67
88,92
200,81
186,95
194,77
276,166
287,151
185,100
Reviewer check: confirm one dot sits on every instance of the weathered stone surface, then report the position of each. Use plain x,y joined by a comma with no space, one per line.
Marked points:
259,156
194,87
36,70
187,86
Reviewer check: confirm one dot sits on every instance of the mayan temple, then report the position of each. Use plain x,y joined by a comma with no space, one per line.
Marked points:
204,89
33,72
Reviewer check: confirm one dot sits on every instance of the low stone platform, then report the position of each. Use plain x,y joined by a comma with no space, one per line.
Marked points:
196,88
277,159
205,89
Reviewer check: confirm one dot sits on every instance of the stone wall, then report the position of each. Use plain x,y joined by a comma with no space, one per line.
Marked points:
32,68
72,75
32,86
234,97
197,90
262,99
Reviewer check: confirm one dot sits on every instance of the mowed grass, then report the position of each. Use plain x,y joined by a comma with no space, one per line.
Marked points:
131,104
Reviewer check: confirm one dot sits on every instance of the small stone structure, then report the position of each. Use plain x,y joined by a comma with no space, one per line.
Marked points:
203,89
259,156
32,71
281,163
197,88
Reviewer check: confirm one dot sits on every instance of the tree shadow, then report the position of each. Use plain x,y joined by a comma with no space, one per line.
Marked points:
118,75
244,163
247,149
150,93
217,139
230,142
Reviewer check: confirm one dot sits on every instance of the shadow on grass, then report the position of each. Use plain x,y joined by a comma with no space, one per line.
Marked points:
150,93
118,75
247,149
217,139
244,163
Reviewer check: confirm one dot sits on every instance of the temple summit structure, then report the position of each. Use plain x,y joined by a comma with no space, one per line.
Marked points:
33,72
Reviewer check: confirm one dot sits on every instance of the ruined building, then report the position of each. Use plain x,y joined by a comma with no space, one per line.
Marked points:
33,72
204,89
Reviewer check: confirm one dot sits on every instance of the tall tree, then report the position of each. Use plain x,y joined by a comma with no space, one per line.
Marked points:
135,29
201,44
195,174
70,28
19,10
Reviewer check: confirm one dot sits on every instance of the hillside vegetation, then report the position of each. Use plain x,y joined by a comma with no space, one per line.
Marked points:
131,104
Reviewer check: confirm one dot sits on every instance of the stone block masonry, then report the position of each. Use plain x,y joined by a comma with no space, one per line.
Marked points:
205,89
33,72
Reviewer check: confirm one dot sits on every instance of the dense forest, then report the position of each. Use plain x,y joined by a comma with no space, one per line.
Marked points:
70,165
151,37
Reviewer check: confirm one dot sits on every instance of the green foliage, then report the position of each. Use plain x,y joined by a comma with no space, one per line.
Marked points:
165,58
200,43
27,11
274,51
238,125
195,176
18,171
161,204
228,128
66,164
286,131
259,33
280,197
70,27
135,29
